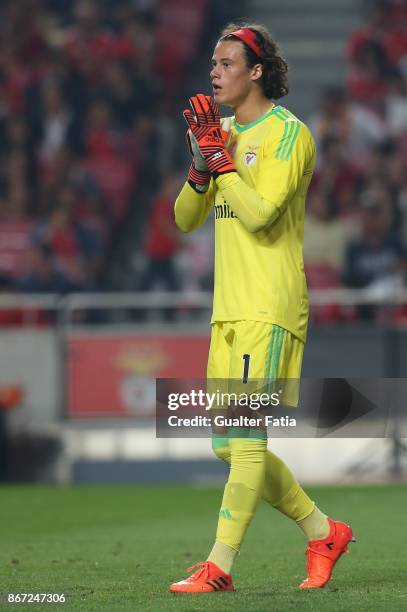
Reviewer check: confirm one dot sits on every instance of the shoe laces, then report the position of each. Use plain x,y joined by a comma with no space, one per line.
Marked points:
203,571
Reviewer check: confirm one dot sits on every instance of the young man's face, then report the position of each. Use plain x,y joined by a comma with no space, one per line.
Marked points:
231,79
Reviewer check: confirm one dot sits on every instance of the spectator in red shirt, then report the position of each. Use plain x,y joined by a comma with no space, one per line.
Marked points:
385,33
338,175
61,237
163,242
90,44
372,31
366,81
102,138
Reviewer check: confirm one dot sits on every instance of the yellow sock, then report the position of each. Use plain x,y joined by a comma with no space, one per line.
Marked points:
242,491
315,526
280,488
223,556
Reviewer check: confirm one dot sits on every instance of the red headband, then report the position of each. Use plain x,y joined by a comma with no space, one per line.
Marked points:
249,38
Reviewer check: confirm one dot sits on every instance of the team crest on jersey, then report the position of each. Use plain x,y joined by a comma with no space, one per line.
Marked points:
250,158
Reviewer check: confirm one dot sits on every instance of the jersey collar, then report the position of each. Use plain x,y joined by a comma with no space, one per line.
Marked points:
243,128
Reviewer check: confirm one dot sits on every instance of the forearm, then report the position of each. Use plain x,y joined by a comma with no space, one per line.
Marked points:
253,211
192,208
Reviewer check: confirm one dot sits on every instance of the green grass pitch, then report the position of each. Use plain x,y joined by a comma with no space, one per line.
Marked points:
117,548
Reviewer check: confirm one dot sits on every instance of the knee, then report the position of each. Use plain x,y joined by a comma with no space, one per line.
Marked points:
220,446
245,449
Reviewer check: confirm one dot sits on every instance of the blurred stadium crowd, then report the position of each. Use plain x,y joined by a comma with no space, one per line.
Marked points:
86,96
356,227
89,131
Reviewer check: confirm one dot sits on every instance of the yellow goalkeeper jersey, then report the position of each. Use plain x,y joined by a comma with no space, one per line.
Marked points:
259,222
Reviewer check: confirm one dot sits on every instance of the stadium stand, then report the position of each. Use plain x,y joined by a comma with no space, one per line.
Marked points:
91,95
79,85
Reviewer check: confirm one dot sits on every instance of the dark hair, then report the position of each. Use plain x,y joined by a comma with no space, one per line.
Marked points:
274,79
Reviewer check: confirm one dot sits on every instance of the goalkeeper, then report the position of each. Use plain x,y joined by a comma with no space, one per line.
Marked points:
253,170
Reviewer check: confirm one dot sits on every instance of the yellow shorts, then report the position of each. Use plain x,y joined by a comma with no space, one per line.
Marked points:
252,355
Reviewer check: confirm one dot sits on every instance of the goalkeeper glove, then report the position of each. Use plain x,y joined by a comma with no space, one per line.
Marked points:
198,176
204,122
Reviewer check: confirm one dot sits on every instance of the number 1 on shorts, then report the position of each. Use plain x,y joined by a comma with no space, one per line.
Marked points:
246,359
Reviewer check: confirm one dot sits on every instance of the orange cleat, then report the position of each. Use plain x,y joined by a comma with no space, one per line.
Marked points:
323,554
207,579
